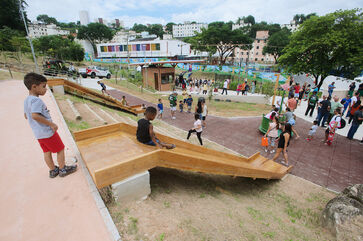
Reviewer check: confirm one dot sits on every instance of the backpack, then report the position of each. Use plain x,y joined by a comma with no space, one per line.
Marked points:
342,124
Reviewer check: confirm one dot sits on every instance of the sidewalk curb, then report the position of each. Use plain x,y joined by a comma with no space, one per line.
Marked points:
110,225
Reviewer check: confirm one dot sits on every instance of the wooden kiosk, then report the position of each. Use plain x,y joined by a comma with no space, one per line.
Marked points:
158,76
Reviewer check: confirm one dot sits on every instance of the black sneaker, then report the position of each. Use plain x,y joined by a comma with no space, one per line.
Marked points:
67,170
53,173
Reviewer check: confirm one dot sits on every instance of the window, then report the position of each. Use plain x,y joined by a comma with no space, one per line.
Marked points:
258,47
256,53
167,78
262,59
255,59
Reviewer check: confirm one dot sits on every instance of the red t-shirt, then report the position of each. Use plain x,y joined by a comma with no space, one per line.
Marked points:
297,89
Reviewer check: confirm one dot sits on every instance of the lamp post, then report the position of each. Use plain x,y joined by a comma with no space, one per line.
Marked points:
28,37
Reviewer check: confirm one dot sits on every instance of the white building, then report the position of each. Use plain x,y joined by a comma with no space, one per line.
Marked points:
293,26
84,17
187,29
240,25
37,30
143,49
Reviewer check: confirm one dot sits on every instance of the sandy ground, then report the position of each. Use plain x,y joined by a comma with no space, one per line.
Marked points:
195,206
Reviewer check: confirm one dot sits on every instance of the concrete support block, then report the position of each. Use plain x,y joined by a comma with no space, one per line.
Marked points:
74,110
133,188
59,89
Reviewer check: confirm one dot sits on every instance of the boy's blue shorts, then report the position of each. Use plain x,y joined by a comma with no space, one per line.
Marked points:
151,143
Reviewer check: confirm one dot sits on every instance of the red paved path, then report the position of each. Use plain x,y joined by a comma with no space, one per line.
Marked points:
334,167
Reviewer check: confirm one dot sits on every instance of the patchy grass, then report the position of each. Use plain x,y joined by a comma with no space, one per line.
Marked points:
77,125
5,75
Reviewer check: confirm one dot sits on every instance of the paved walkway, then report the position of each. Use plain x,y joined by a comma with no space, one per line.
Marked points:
33,206
334,167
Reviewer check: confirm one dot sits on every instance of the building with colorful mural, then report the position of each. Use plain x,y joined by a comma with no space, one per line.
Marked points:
144,49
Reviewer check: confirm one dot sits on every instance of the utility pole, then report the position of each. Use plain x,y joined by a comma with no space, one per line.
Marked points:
28,37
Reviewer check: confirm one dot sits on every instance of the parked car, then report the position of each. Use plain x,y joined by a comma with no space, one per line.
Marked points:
95,71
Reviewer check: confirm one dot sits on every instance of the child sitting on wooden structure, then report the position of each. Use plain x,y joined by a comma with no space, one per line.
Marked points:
145,132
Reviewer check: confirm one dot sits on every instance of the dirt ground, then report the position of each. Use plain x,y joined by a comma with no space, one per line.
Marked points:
194,206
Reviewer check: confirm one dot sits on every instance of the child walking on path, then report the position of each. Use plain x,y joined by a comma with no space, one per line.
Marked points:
197,128
181,106
189,102
272,133
145,132
103,86
312,130
284,141
161,109
37,114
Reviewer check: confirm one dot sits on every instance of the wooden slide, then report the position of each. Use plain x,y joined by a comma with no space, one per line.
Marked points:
112,154
74,88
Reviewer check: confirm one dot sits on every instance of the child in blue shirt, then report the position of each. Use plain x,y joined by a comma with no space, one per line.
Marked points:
346,101
189,102
161,109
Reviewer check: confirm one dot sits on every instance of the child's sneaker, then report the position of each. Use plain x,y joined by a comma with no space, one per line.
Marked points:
273,151
67,170
308,139
53,173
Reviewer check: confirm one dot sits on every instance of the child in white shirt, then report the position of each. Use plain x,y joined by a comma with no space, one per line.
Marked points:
312,130
197,128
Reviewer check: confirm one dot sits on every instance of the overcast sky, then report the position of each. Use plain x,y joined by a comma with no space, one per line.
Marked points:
178,11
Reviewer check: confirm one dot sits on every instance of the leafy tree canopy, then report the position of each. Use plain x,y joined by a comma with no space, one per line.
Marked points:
95,33
276,43
138,28
10,14
330,44
249,19
59,47
169,27
219,38
300,18
156,29
44,18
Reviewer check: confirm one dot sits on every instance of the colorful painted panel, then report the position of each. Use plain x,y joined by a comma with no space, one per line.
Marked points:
147,47
120,48
134,47
157,46
138,47
109,48
129,47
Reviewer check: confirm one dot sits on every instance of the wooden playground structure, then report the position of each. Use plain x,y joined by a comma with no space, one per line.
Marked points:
76,89
113,154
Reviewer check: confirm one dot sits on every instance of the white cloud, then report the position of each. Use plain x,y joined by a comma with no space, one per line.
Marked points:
163,11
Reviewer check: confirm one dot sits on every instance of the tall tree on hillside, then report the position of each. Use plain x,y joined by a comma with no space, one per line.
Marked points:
44,18
249,19
169,27
10,14
138,28
276,43
300,18
327,45
156,29
95,33
220,38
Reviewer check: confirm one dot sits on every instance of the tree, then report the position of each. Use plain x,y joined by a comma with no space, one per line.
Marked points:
59,47
10,14
271,28
95,33
276,43
249,19
156,29
169,27
220,38
44,18
330,44
300,18
6,35
138,28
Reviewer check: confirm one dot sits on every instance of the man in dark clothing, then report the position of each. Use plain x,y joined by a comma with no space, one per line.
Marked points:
357,120
324,111
311,104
